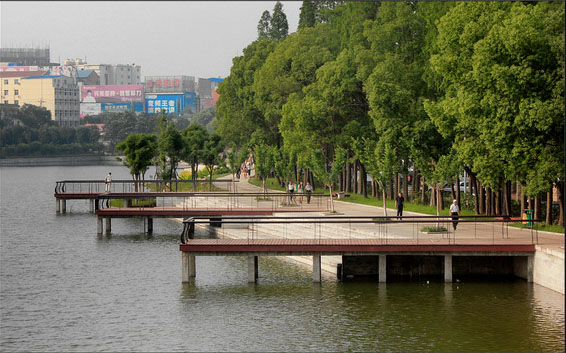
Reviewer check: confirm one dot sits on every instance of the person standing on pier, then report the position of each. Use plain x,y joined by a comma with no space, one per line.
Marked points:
300,190
308,189
108,181
454,212
400,202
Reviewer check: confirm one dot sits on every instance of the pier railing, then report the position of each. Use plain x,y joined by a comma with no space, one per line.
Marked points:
217,200
420,230
151,185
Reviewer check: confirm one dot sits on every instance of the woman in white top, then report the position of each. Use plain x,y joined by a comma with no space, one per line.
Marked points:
454,212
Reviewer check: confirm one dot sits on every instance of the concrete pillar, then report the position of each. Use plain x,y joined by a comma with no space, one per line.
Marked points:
184,266
448,268
149,225
99,225
108,224
57,205
316,275
252,268
192,266
382,268
530,268
125,203
64,206
91,205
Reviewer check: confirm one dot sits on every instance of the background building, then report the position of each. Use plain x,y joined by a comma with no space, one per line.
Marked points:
58,93
25,56
114,74
11,85
88,77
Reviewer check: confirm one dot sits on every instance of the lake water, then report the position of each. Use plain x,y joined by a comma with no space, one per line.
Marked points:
63,288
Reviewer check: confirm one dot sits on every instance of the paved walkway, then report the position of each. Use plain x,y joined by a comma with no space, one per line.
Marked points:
467,232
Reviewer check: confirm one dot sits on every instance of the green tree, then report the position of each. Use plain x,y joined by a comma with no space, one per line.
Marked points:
264,26
279,26
325,171
307,17
212,155
195,138
139,150
264,162
170,146
238,117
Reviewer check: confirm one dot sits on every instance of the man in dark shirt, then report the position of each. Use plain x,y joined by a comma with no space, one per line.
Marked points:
400,203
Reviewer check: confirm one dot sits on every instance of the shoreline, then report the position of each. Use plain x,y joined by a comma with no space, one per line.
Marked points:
60,161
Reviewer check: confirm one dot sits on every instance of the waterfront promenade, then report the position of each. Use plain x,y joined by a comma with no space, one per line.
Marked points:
548,259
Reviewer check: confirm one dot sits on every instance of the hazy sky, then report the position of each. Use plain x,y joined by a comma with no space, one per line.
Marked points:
194,38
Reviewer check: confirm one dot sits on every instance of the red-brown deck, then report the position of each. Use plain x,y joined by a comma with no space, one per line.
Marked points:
78,195
342,246
173,212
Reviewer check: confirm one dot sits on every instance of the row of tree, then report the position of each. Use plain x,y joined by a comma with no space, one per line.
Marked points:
28,128
431,89
194,145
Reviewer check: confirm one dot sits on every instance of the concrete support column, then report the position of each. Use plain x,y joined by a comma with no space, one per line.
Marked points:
64,206
91,205
382,268
125,203
99,225
252,268
192,266
108,224
184,266
316,274
149,225
57,206
530,268
448,268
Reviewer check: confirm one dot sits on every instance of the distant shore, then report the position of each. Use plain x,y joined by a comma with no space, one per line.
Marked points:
63,161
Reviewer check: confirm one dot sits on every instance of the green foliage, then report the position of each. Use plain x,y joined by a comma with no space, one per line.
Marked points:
139,150
170,145
264,26
279,28
307,17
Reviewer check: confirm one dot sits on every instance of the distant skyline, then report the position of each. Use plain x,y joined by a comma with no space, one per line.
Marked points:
193,38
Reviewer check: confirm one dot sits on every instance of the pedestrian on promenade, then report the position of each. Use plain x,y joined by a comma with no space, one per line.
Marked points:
454,212
290,188
400,203
308,189
300,190
108,181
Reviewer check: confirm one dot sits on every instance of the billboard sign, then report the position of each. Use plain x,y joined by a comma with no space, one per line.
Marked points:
169,103
136,107
90,109
169,84
112,94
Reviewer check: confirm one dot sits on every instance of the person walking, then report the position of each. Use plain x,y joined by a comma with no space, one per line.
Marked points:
300,191
400,203
108,181
308,189
291,189
454,212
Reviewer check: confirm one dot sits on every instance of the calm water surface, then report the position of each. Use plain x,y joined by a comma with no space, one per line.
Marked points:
63,288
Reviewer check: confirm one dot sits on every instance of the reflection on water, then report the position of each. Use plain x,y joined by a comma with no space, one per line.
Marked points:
62,287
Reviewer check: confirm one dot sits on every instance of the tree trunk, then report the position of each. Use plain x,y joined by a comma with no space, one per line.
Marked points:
355,188
452,191
372,188
560,188
406,186
423,188
432,195
440,198
481,200
474,185
364,181
343,179
348,175
383,188
507,196
331,199
522,197
549,206
397,185
488,196
537,207
458,193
